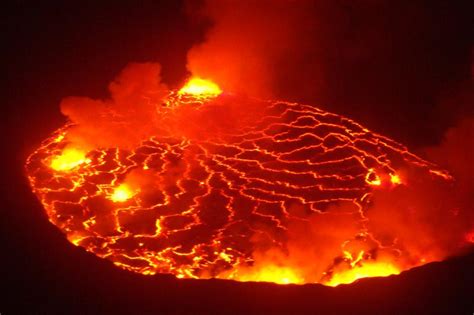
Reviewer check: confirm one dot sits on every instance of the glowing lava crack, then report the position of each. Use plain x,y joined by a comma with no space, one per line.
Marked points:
234,188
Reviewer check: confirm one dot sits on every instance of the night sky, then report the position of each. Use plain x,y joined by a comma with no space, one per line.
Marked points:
402,69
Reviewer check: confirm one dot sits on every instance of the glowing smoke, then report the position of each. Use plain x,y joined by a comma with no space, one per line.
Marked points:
125,119
249,41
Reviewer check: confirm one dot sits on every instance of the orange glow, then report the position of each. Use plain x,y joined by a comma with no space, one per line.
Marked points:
122,193
442,174
368,269
226,257
395,179
198,86
59,138
470,237
69,158
272,273
276,192
372,178
158,227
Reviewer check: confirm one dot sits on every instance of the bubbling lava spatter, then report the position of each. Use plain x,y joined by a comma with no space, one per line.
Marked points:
220,189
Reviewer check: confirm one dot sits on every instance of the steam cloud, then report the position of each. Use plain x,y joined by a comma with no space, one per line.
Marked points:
251,43
125,119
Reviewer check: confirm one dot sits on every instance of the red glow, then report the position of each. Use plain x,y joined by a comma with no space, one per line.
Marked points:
237,189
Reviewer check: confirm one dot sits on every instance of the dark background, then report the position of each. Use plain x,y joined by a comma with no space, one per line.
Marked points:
414,86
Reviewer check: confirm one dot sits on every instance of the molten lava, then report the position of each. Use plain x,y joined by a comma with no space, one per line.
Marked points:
197,86
235,188
122,193
367,270
69,159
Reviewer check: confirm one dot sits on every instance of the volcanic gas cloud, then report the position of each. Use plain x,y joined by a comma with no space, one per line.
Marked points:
202,183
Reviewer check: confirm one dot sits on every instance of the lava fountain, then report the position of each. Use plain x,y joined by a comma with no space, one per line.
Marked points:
237,188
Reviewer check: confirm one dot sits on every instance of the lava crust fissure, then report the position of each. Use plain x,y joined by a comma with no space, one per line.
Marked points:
233,188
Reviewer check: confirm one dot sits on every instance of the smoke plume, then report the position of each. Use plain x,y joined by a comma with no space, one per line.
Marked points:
125,119
249,41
